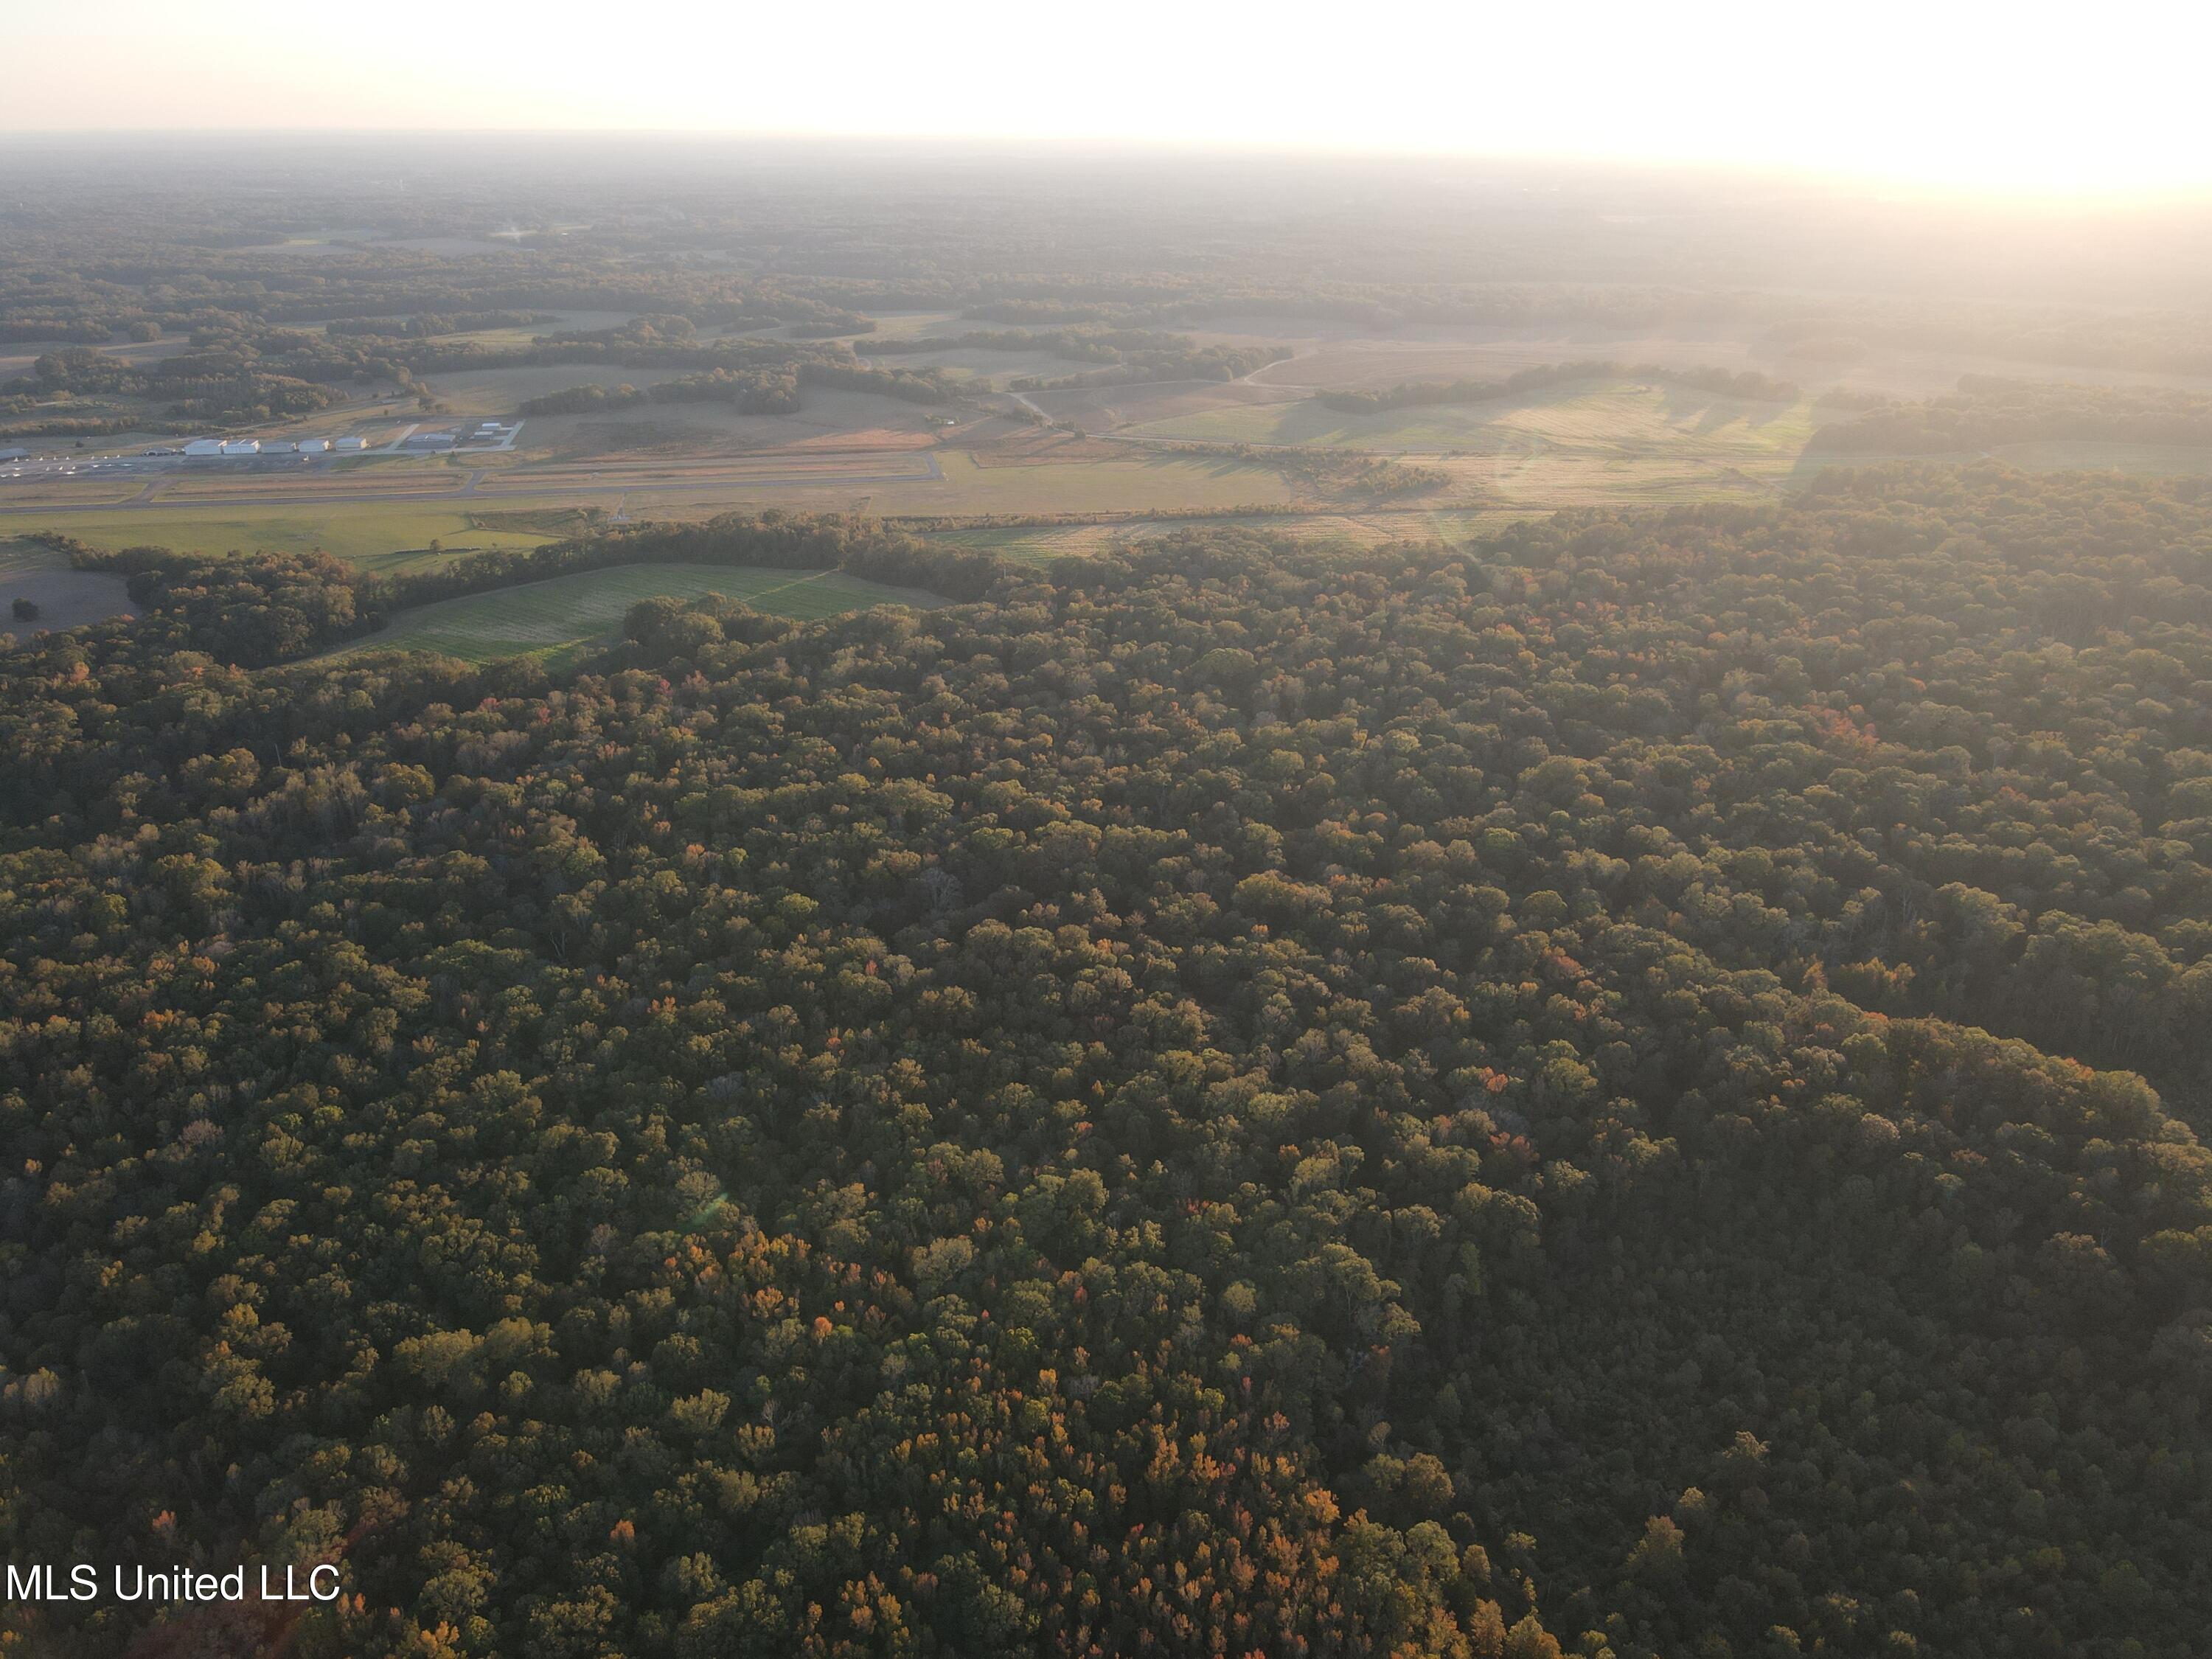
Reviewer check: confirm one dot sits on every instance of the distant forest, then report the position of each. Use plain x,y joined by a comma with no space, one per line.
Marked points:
1430,394
771,274
1987,411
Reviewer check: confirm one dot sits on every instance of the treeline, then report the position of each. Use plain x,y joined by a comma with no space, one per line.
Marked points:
204,616
90,426
269,608
428,325
831,325
1080,345
1356,471
1236,1097
214,385
227,378
2175,340
1064,313
1987,411
1183,361
1424,394
860,546
752,391
773,391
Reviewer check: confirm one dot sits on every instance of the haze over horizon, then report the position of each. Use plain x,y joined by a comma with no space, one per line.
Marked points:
2013,102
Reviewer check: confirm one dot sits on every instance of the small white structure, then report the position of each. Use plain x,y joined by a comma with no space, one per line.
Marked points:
242,447
203,447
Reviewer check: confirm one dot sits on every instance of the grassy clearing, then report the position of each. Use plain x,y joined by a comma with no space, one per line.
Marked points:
548,617
64,598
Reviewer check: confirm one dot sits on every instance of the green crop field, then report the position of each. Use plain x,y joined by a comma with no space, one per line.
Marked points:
542,618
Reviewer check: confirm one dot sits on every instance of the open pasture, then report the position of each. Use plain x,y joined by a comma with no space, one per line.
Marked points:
1611,416
1591,441
1346,355
541,617
65,597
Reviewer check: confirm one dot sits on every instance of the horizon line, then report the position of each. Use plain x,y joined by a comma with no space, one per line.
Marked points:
1890,186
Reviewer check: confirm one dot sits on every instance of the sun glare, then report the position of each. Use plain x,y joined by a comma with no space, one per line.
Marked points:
2013,99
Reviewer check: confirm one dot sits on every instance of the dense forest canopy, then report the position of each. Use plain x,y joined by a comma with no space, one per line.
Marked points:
1631,1087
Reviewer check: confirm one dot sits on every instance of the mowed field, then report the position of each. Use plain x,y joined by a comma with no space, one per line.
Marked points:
1330,355
353,523
1586,442
378,534
541,618
1611,417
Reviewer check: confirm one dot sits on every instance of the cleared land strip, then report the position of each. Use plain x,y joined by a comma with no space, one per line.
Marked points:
479,490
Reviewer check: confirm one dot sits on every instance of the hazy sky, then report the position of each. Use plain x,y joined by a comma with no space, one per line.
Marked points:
2023,97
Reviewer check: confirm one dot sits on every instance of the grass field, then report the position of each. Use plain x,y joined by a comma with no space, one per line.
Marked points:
1614,417
1587,442
548,617
380,534
65,597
